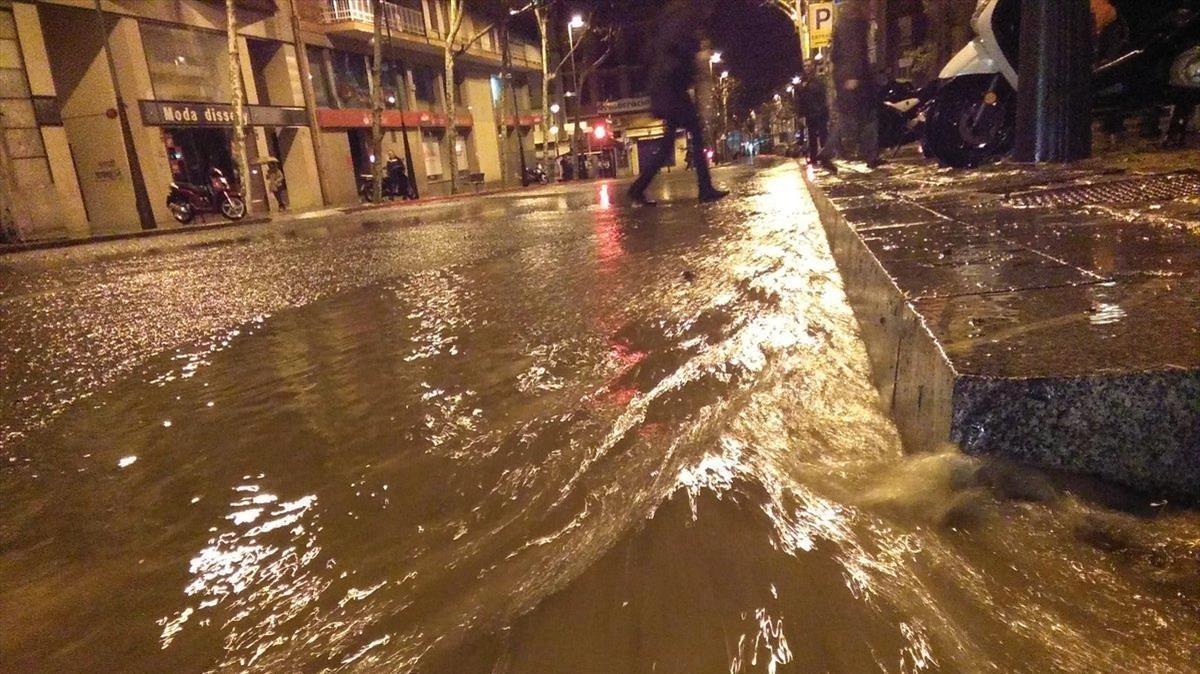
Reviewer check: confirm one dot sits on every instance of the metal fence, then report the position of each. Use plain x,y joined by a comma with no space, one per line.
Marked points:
398,18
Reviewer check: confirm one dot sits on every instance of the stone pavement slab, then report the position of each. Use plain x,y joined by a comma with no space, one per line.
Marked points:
1046,313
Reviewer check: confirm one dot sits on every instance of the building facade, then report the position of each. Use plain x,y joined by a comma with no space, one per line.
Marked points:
104,104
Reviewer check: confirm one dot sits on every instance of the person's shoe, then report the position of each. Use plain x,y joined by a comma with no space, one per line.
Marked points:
640,199
875,163
712,194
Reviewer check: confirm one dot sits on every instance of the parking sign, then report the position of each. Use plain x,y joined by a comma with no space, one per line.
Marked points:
820,24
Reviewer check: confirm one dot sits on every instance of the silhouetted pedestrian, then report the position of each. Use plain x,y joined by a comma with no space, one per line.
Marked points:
672,73
855,94
813,105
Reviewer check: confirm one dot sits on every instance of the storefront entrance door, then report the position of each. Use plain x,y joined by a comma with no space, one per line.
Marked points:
193,151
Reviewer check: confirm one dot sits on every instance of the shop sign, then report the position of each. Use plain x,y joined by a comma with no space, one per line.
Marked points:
625,105
164,113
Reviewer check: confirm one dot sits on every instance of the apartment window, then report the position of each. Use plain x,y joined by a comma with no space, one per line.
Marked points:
186,64
319,74
18,117
425,83
350,81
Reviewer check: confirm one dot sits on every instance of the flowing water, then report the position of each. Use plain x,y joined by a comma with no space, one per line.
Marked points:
543,433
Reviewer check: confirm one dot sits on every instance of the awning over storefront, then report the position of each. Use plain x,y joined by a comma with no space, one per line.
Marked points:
177,113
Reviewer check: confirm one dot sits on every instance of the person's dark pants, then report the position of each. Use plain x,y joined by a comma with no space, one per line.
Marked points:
862,127
817,130
281,198
666,149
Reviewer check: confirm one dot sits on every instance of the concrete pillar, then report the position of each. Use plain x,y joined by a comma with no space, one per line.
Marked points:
60,204
485,143
1054,99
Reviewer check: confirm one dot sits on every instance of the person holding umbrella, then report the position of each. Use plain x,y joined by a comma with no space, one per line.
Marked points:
276,183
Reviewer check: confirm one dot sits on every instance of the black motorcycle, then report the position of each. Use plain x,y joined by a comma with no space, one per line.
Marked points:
535,175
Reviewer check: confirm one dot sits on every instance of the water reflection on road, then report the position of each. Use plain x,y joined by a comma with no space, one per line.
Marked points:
545,433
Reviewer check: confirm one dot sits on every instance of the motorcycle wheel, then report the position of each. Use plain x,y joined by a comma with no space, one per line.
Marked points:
183,212
233,207
970,123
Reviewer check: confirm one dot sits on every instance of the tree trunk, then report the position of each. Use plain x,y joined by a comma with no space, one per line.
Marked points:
377,105
239,110
449,106
540,13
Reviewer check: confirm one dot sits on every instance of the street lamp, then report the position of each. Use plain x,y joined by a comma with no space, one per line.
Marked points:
796,80
575,24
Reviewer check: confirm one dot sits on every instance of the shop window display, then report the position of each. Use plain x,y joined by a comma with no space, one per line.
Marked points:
186,65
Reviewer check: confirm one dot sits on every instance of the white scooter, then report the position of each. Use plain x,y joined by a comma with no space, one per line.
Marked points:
1155,60
972,117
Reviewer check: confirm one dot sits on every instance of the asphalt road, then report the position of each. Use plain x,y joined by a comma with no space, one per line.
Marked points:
531,432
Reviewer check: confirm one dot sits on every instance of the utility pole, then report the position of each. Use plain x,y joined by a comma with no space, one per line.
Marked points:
239,109
140,197
506,60
1054,99
377,103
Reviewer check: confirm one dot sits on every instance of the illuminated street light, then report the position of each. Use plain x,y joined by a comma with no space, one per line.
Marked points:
796,79
715,58
554,108
554,131
576,21
725,74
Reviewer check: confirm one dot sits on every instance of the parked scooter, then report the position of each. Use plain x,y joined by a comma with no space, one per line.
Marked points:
972,119
186,200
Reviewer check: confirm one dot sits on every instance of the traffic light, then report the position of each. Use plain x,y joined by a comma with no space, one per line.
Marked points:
600,131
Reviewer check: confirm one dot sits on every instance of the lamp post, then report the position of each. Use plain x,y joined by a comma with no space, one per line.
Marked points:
575,23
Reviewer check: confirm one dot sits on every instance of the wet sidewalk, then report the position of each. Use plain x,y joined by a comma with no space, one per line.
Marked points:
1049,314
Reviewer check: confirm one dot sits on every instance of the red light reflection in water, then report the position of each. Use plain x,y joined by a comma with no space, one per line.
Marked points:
605,199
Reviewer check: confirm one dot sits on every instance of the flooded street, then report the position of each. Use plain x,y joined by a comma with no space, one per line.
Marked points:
542,432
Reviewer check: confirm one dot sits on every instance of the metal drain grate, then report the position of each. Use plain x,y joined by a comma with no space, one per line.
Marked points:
1163,187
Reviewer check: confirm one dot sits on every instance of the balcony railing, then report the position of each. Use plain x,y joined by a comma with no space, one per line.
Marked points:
398,18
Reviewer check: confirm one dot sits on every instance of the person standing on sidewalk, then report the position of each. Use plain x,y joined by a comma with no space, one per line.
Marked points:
672,73
276,182
813,105
855,95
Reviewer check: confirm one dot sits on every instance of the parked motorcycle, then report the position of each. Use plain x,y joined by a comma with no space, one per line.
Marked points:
536,175
902,113
392,189
972,118
185,200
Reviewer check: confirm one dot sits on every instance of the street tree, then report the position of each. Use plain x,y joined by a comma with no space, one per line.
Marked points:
239,108
377,103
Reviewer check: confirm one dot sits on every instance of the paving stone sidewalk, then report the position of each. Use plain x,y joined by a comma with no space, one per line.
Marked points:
1050,314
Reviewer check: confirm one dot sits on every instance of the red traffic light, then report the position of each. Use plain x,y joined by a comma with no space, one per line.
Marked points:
600,132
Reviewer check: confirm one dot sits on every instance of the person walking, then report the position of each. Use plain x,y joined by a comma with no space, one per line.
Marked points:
854,83
813,105
672,73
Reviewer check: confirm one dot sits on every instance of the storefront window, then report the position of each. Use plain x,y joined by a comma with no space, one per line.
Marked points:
431,150
460,152
186,65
